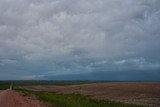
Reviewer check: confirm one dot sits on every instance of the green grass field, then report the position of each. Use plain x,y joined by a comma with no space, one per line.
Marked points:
74,100
4,85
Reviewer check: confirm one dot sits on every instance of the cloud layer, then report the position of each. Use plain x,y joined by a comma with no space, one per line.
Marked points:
41,38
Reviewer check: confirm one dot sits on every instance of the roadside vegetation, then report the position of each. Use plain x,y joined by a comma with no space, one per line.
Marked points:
73,100
4,85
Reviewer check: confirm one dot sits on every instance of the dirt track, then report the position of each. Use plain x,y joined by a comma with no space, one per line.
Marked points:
10,98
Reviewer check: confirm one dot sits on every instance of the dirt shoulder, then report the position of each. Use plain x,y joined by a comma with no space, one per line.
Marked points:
11,98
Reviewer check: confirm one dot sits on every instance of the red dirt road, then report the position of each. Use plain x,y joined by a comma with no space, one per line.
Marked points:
11,98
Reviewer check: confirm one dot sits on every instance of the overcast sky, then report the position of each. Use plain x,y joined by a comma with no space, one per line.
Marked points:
80,39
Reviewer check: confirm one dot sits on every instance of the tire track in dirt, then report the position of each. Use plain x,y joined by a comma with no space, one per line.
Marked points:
11,98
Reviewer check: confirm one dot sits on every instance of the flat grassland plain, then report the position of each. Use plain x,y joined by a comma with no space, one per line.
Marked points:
92,93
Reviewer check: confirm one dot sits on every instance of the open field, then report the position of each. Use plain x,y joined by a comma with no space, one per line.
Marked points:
72,100
4,85
85,93
141,93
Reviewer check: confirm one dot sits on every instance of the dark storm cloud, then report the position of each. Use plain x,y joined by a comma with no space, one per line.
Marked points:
110,76
41,38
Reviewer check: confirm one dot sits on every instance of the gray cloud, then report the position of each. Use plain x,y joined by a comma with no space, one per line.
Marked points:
56,37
